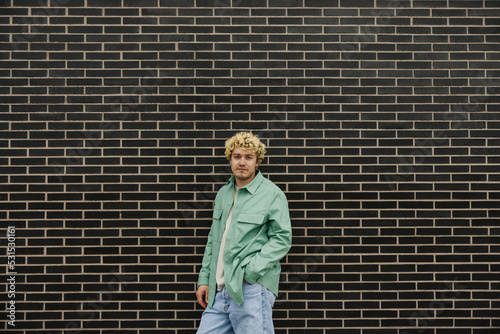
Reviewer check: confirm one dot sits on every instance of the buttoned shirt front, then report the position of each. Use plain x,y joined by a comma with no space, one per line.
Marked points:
258,237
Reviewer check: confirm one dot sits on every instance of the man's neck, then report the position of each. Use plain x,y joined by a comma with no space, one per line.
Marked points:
242,183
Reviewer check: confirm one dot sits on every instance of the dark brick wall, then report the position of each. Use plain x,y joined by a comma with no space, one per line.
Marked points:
382,119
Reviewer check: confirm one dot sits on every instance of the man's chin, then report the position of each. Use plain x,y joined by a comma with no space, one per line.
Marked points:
243,175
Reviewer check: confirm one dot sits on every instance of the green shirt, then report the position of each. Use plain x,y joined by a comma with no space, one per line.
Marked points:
259,236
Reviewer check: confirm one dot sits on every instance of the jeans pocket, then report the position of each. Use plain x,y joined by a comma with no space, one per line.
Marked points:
271,298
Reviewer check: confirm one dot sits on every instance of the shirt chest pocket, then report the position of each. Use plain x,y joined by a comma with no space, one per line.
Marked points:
251,218
217,214
249,227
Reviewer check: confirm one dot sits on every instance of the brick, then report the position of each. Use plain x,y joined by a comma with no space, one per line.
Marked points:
380,121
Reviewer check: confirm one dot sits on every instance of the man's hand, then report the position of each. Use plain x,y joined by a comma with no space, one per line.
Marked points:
202,295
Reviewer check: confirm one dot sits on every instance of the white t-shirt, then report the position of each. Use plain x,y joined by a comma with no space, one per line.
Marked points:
220,262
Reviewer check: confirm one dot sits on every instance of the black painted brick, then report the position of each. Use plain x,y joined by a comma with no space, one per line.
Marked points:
381,122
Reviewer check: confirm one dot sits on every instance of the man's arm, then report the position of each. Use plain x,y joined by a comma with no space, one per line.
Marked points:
204,275
279,243
203,278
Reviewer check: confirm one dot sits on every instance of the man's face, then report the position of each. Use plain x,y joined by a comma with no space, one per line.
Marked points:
244,165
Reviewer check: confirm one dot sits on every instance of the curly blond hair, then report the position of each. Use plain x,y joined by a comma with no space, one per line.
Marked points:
248,142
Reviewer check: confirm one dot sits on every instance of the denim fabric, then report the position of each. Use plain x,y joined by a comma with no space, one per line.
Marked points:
254,316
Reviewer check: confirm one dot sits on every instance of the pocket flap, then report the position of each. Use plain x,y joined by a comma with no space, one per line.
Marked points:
252,218
217,213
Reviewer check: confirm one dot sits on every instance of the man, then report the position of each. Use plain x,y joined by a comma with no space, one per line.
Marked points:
250,234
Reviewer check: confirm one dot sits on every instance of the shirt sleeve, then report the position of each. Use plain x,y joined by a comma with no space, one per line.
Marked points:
279,243
204,276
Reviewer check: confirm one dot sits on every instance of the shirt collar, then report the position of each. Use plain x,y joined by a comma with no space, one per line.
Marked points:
252,186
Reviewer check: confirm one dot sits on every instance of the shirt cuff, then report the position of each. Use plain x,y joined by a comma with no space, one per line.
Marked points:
250,278
202,281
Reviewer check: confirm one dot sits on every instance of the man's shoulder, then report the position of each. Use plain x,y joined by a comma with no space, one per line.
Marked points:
224,188
268,185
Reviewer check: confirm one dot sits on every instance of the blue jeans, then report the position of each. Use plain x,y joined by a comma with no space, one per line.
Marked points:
254,316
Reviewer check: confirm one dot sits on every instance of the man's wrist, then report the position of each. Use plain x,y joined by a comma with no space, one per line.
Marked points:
202,282
249,280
